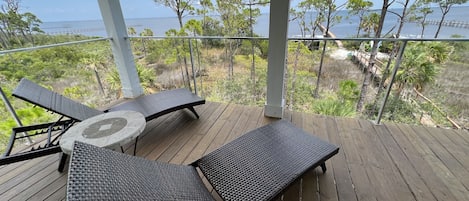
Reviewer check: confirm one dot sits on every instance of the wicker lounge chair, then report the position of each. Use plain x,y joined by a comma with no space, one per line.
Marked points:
259,165
151,106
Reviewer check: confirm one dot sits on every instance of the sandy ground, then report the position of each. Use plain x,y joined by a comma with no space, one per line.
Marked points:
342,54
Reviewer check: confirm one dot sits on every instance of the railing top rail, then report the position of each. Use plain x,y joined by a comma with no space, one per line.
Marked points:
52,45
304,38
234,38
403,42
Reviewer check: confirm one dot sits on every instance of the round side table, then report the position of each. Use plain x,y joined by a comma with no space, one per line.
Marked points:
109,130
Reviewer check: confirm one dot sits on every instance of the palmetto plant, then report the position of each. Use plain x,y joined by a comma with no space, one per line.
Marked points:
96,62
421,64
147,79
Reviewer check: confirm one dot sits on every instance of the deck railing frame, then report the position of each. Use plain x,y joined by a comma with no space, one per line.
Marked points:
52,45
403,41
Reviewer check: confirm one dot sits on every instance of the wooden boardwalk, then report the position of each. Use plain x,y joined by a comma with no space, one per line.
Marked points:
362,59
448,23
375,162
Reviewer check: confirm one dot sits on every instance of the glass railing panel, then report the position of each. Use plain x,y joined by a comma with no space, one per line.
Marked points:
227,75
428,88
72,70
224,69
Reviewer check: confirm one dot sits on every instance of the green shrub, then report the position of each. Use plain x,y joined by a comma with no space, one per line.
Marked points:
333,107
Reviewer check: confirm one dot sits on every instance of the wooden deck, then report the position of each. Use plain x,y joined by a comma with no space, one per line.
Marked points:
375,162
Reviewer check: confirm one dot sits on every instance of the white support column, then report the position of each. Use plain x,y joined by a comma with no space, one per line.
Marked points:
278,29
115,27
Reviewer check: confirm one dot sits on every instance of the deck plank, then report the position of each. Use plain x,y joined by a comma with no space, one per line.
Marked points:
344,184
13,170
213,129
364,187
241,125
152,134
168,135
43,182
227,128
326,183
44,176
444,162
464,134
189,131
385,172
23,176
438,168
322,185
52,188
60,194
421,166
182,133
457,149
412,178
294,191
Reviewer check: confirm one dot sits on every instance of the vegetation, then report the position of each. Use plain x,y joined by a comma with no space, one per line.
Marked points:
234,71
16,28
445,6
373,53
360,8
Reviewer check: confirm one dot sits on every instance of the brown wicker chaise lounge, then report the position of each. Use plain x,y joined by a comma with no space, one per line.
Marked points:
259,165
151,106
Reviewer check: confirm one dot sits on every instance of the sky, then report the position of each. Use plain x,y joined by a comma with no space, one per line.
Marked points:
73,10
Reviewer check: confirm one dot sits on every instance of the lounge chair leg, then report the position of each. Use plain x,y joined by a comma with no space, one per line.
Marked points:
193,111
63,159
323,167
135,146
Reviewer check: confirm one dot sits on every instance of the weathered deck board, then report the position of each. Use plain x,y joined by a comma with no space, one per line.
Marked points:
294,192
375,162
391,187
413,180
344,184
423,168
355,160
442,170
321,186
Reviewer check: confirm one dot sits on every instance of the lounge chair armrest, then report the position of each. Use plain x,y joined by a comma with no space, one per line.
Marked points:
49,148
41,126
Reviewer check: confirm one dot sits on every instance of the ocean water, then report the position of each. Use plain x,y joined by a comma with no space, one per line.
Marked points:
346,28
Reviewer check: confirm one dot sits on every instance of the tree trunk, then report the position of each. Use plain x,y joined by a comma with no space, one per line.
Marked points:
144,48
229,52
423,25
359,26
4,39
179,62
439,25
253,64
179,14
293,79
391,56
323,54
98,79
374,51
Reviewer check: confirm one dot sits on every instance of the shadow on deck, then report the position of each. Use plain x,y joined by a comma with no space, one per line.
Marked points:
375,162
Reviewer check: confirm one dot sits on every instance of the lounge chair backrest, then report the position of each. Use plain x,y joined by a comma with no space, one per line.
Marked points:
47,99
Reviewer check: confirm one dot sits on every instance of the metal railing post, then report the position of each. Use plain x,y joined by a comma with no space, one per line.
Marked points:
13,113
192,65
393,76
